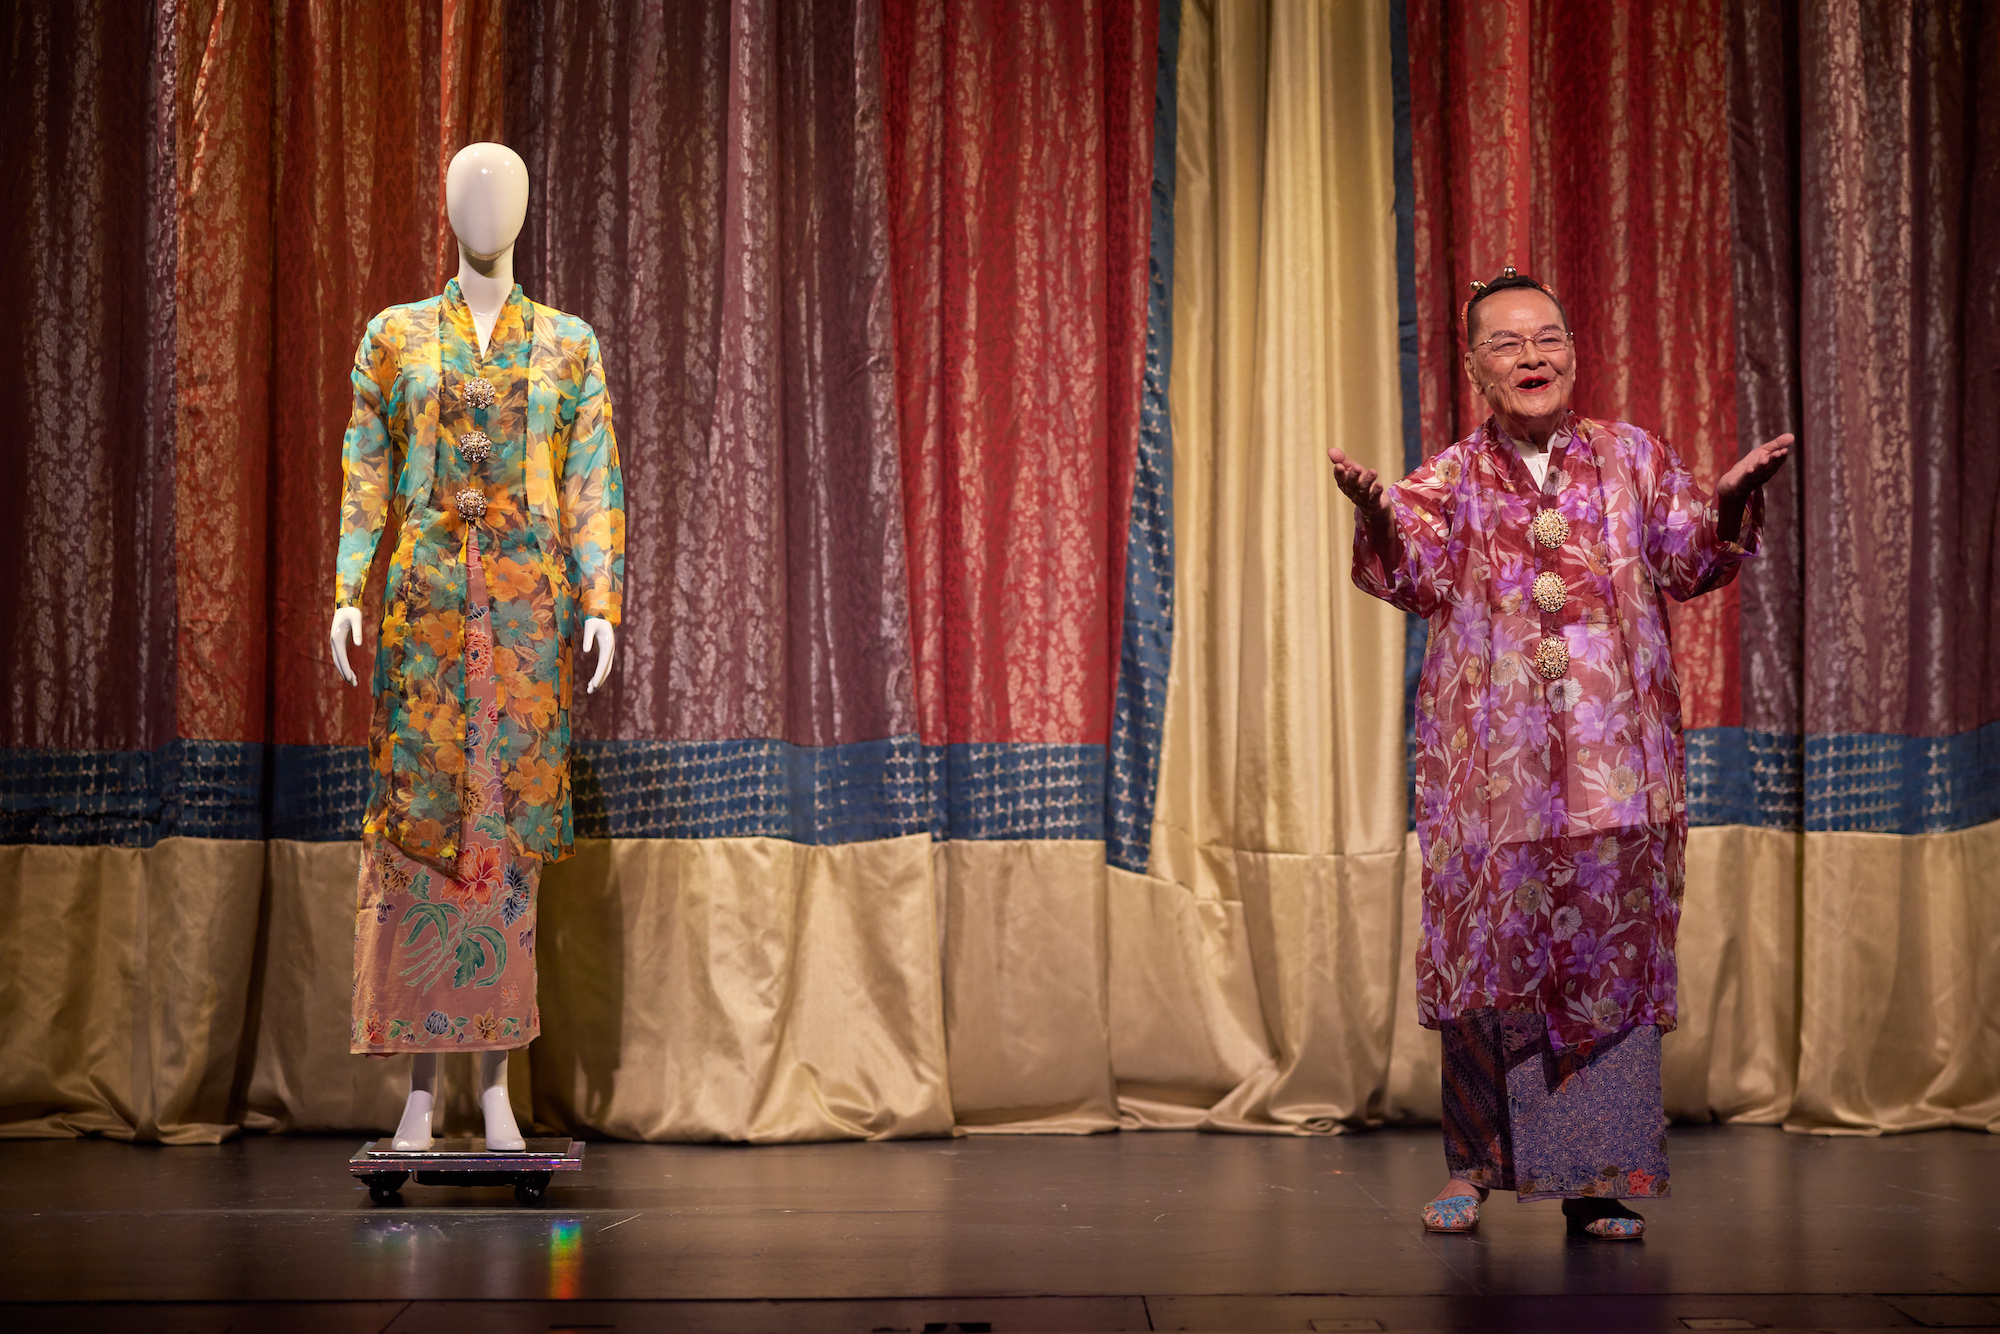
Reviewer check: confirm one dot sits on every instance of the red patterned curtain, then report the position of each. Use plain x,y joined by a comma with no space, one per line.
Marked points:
1588,144
86,269
1020,171
1869,305
866,275
710,195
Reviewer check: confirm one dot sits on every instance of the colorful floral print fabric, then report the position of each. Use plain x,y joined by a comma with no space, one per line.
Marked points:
525,428
1521,1116
1550,774
448,960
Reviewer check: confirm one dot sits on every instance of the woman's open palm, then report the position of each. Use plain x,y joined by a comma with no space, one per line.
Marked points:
1361,485
1754,469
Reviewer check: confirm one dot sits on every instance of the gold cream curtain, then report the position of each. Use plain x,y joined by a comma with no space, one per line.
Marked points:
1274,897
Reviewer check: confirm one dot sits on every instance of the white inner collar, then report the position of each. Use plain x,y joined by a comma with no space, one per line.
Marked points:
1536,459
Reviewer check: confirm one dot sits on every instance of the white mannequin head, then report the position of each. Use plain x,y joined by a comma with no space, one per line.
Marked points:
486,199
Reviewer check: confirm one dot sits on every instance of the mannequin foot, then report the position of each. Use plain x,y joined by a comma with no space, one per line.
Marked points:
503,1135
413,1133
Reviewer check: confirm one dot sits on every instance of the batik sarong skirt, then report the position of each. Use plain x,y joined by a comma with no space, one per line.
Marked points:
1522,1115
447,962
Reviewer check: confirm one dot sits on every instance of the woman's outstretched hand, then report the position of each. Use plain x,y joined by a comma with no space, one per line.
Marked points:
1363,486
1754,469
1733,492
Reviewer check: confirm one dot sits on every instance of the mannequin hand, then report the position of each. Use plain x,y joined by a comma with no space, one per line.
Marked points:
346,625
1363,486
597,630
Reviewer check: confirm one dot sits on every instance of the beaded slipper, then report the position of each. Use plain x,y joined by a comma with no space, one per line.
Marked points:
1605,1220
1454,1213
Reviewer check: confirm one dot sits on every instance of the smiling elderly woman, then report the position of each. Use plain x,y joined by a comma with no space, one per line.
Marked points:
1551,807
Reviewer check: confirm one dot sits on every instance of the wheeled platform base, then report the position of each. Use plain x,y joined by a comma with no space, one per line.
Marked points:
465,1162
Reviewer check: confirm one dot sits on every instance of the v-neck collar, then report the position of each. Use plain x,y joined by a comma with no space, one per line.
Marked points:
1518,475
509,327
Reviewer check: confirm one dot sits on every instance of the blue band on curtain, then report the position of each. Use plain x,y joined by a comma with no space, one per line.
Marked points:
1850,782
837,794
1903,784
1739,776
1145,654
746,789
1415,629
621,789
1858,782
132,798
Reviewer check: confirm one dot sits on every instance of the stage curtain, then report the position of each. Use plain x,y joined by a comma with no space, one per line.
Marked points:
691,989
1613,189
1253,966
1887,116
709,194
1020,171
87,263
126,976
1901,983
313,144
872,280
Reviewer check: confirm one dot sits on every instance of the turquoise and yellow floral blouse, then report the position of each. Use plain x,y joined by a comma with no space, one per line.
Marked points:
526,428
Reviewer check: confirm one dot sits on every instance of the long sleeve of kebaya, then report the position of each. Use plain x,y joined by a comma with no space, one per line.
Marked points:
1415,570
593,500
368,465
1684,551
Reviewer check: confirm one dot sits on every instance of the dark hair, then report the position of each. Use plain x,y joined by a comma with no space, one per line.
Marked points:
1508,281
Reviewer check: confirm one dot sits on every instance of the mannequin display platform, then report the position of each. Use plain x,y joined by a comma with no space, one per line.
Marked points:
527,1167
481,419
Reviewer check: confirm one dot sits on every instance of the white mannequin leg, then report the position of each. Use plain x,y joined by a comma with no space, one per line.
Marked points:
414,1134
502,1133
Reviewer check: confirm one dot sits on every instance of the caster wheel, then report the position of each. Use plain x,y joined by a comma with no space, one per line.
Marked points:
383,1187
531,1187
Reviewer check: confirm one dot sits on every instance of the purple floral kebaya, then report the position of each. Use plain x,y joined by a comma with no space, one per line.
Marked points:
1551,797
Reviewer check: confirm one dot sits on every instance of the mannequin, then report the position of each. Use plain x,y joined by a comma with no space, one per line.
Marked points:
486,199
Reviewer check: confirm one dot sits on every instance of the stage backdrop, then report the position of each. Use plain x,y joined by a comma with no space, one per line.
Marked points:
996,740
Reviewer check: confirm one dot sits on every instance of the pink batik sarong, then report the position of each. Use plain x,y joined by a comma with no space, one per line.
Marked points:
447,963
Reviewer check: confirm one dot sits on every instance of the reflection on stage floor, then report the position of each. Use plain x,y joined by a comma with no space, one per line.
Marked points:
1119,1232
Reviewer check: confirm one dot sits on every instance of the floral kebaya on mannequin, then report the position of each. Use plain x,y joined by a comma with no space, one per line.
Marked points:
482,419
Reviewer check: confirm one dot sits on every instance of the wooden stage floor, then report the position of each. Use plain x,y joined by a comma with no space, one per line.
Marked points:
1118,1232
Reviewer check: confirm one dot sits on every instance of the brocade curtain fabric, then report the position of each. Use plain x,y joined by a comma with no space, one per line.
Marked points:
87,605
996,741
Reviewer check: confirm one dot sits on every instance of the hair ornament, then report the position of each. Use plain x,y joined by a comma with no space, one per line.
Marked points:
1508,272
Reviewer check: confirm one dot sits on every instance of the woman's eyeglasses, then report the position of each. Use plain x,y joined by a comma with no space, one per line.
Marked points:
1508,346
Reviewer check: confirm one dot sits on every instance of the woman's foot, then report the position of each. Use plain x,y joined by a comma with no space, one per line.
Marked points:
1455,1208
1606,1220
